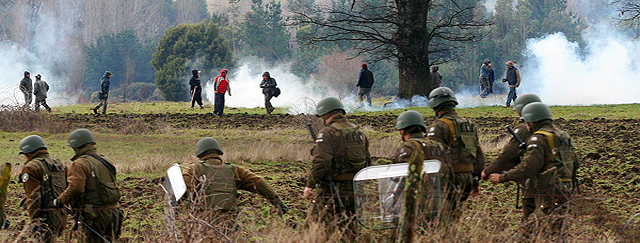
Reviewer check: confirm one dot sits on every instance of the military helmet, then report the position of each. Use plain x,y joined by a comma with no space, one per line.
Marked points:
410,118
535,112
80,137
440,96
327,105
523,100
31,143
207,144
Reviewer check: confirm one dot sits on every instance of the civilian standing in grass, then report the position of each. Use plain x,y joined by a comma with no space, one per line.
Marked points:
221,86
26,86
513,79
196,88
268,86
365,82
40,89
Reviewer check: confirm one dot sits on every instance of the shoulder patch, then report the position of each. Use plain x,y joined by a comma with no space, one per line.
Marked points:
532,145
432,129
319,140
25,177
534,139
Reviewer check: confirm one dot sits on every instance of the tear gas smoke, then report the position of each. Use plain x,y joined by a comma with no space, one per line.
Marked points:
607,73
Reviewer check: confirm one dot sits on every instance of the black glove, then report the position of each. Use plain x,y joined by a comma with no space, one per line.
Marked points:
280,204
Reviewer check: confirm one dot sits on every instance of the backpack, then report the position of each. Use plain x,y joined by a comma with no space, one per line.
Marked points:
220,189
351,157
463,143
54,182
562,156
275,92
107,191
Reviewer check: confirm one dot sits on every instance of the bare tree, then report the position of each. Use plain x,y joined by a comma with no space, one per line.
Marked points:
417,33
629,14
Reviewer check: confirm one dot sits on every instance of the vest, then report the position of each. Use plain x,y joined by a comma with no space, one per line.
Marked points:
54,181
219,184
351,156
463,143
106,191
562,155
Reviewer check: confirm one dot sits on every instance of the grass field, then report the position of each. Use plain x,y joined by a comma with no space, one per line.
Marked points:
144,139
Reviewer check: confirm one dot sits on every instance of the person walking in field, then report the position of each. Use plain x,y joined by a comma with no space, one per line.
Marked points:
213,185
340,151
220,86
105,82
40,89
365,82
43,179
549,164
26,87
92,191
268,86
195,88
436,77
513,79
511,152
460,136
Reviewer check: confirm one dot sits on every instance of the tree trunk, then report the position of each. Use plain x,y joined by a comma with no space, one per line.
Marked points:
413,48
414,78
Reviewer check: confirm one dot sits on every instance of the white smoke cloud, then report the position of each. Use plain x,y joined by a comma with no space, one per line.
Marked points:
606,71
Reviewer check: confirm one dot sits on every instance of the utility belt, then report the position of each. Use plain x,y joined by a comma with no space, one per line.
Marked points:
463,168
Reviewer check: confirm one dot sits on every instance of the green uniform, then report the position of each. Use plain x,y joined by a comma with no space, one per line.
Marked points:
510,158
460,136
93,194
43,179
548,176
340,151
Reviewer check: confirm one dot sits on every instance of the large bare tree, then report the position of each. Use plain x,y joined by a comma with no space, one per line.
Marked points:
417,33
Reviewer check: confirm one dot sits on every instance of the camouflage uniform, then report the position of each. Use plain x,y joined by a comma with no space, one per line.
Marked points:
467,168
551,187
340,151
41,176
510,158
93,194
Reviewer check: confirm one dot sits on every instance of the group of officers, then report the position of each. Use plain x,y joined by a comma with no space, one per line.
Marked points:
545,164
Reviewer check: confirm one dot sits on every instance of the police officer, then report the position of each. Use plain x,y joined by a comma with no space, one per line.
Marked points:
511,152
549,161
214,183
460,136
43,179
92,191
340,151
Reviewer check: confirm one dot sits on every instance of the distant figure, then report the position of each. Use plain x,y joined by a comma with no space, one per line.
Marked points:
436,77
513,79
365,81
268,86
485,85
196,88
26,87
491,77
40,89
104,93
221,86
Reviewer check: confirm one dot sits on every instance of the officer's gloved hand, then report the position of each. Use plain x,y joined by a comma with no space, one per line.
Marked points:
280,204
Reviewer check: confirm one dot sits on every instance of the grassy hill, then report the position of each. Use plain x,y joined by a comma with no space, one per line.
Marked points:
144,139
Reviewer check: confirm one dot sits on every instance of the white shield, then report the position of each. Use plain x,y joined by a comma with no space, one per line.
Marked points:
175,183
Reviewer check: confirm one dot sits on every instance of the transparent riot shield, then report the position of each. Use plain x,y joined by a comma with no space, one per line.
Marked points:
379,192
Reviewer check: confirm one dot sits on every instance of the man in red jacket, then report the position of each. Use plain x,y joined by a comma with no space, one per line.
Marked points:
221,86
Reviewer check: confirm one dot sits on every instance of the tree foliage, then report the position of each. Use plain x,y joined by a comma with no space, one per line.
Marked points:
124,55
263,32
185,47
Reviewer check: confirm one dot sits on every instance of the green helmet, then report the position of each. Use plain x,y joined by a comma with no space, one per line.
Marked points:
327,105
440,96
536,111
523,100
31,143
207,144
410,118
80,137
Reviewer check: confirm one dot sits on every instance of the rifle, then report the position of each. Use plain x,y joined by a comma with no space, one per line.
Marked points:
85,224
336,192
521,144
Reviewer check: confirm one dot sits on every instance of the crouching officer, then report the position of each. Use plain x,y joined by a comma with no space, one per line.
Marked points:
460,136
92,191
549,162
214,184
341,150
43,179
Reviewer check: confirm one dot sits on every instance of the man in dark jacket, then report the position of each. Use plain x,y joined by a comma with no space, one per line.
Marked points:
104,93
40,89
196,88
436,77
485,85
365,81
513,79
26,87
268,86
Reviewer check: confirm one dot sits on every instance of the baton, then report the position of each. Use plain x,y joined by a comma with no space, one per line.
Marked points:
521,144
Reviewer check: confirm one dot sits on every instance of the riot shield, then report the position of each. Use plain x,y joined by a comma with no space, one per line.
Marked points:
175,184
379,192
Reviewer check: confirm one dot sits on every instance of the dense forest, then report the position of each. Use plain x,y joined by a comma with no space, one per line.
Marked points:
151,45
